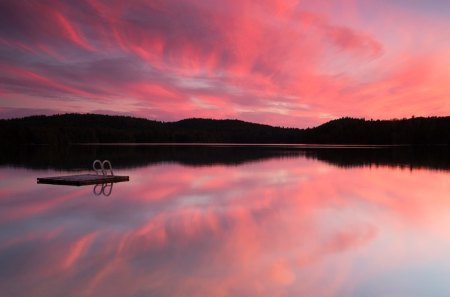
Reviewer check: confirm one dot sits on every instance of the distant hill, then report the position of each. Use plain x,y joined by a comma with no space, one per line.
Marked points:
92,128
415,131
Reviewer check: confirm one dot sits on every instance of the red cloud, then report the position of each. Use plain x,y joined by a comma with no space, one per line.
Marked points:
249,55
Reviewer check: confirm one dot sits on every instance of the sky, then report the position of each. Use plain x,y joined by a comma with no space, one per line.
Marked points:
280,62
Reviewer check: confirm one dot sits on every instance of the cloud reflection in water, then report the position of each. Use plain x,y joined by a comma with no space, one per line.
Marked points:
281,227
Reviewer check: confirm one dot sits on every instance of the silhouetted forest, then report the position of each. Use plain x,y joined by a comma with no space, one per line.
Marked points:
413,131
91,128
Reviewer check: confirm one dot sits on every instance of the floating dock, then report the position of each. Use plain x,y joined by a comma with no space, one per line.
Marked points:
82,179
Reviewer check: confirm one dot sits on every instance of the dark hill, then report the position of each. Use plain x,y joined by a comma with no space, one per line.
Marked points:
92,128
416,131
231,131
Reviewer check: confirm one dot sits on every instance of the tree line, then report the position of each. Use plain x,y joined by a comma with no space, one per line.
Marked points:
93,128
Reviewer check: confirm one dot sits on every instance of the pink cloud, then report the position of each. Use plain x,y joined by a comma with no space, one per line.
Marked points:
337,59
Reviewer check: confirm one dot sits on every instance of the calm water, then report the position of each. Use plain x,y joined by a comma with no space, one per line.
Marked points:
228,221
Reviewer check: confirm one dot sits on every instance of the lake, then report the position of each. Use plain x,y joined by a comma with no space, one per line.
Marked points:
228,220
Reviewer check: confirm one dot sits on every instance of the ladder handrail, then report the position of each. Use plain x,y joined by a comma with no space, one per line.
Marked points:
102,169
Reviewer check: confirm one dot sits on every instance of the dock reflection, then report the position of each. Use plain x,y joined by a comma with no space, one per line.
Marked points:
103,189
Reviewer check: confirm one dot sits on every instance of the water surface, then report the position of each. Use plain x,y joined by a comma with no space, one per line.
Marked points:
228,221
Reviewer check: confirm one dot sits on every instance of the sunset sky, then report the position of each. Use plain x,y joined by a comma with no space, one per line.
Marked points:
280,62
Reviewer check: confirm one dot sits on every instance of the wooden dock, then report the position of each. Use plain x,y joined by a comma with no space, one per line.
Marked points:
82,179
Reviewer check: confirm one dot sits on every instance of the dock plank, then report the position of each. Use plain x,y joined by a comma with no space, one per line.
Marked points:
82,179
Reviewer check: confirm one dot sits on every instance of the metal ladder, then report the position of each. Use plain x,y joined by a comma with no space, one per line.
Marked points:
101,169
